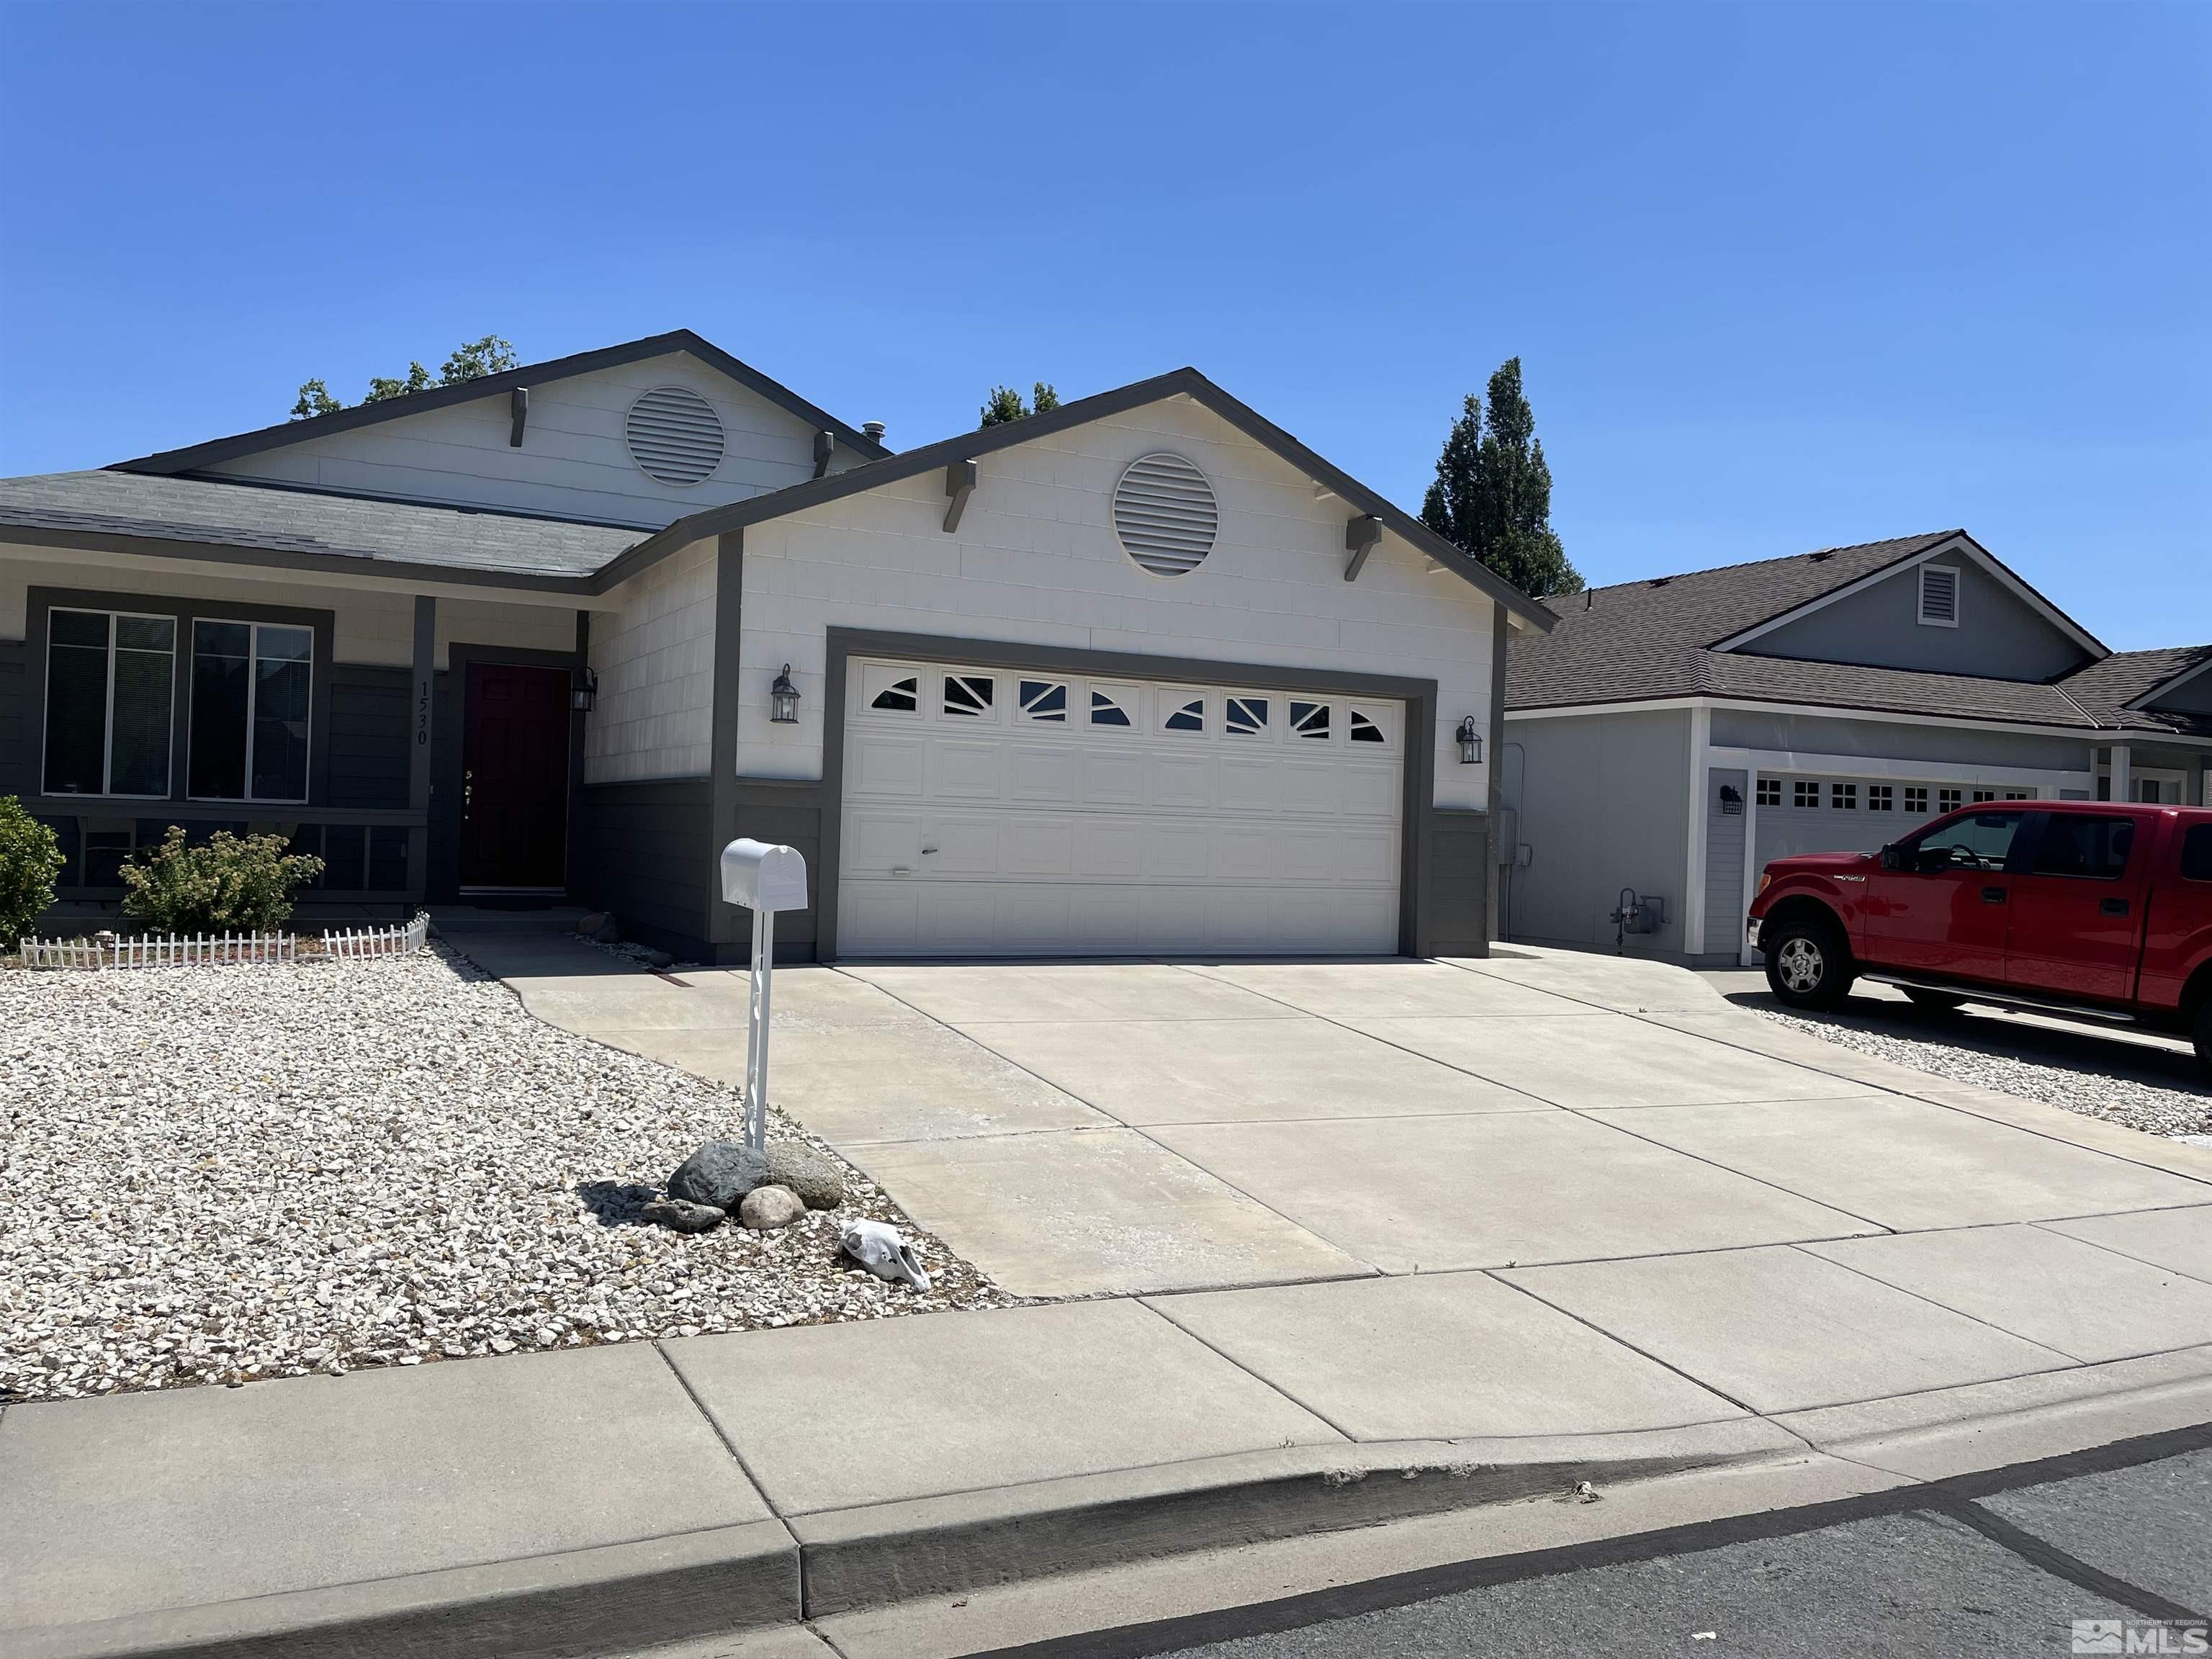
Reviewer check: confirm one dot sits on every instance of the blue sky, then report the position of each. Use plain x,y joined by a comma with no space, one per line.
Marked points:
1781,277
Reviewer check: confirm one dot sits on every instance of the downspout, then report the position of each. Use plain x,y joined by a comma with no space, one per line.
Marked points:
1495,783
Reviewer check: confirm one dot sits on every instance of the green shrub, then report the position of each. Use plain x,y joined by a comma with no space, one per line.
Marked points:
222,885
30,859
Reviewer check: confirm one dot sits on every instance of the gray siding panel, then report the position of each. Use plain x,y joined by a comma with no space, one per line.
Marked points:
1999,635
368,736
1601,802
1724,861
1454,893
788,813
645,853
17,748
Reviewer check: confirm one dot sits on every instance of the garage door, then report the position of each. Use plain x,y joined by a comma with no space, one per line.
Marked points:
1806,814
1005,813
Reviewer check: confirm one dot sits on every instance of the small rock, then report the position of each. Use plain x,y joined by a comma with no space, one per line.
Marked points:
720,1173
766,1209
657,960
684,1216
812,1176
591,923
609,932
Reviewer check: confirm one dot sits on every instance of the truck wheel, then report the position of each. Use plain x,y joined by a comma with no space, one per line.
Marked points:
1807,965
1936,1002
2202,1036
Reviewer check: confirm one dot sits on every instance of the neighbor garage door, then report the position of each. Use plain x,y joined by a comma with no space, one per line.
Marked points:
1005,812
1808,814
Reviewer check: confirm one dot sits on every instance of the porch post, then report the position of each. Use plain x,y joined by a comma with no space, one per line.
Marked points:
2122,787
421,688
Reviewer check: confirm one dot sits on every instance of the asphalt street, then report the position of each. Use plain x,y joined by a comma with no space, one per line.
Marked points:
2001,1566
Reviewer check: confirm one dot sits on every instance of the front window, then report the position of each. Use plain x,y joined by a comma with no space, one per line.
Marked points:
1980,841
251,686
110,678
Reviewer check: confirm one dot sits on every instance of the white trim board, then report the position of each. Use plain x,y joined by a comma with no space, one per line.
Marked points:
1960,544
2100,735
1693,883
1861,766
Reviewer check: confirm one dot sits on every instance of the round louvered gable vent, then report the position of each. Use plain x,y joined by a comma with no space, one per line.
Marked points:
674,435
1164,513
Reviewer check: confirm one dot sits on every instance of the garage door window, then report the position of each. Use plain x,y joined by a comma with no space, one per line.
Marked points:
1916,800
1248,717
1185,716
1045,700
1309,719
1880,797
1364,730
1805,792
1111,708
968,695
1843,797
1946,799
900,697
1770,792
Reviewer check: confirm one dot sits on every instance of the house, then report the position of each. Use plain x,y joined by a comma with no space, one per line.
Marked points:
1671,736
1141,674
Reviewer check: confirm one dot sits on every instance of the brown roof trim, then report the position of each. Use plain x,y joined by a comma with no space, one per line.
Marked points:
968,446
170,462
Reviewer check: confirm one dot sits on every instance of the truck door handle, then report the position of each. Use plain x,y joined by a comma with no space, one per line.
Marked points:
2114,907
1993,896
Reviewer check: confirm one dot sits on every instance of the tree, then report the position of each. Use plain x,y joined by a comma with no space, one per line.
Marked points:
471,361
1492,495
1006,404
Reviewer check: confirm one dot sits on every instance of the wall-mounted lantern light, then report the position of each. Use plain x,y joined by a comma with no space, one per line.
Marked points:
1470,742
1731,802
783,700
583,688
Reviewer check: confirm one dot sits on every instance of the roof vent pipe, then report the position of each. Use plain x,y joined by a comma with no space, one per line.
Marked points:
874,429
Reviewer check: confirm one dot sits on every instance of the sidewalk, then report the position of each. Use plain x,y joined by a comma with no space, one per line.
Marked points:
2008,1285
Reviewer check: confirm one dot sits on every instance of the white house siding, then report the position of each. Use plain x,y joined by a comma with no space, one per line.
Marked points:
574,463
1035,561
654,655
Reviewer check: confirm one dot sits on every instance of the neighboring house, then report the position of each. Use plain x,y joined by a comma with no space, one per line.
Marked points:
1141,674
1671,736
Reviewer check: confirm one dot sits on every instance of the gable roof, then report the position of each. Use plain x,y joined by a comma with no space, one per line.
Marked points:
246,522
2116,690
215,450
1843,586
1662,639
970,446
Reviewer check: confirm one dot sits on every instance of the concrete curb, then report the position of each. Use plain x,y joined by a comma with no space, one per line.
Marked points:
734,1579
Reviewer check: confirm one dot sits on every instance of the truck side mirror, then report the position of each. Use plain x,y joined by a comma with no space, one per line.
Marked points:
1892,857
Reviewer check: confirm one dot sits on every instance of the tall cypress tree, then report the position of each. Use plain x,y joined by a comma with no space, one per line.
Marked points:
1492,495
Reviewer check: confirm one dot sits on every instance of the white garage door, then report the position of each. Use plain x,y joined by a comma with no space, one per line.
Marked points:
1005,812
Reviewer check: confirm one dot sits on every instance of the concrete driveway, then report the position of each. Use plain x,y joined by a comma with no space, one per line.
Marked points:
1609,1137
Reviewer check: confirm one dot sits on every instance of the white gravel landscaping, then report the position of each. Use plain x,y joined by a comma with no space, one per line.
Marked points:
2155,1090
226,1174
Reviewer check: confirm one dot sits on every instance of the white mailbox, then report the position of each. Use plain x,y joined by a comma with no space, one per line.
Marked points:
764,879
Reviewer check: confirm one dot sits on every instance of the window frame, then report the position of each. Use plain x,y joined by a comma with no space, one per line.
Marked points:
1920,595
107,722
253,628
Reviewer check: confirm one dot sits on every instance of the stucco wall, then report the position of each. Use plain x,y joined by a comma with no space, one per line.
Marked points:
1999,635
1035,560
1600,803
654,656
572,463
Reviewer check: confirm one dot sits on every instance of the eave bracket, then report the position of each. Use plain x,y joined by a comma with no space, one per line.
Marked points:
959,485
518,409
1360,536
825,445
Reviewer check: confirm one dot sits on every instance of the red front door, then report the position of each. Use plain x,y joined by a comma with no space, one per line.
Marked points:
515,779
1944,912
2076,909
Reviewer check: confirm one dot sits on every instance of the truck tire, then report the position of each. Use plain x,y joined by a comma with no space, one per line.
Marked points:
1808,965
2201,1035
1936,1002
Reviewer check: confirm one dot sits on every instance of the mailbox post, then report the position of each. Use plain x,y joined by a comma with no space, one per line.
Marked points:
764,879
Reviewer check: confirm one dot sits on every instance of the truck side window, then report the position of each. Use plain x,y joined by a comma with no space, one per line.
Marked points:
1979,841
2075,844
2197,853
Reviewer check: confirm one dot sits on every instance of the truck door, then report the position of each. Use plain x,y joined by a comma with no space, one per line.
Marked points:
2178,896
2076,910
1942,912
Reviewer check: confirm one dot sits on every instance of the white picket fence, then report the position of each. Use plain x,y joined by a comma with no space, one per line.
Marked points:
194,950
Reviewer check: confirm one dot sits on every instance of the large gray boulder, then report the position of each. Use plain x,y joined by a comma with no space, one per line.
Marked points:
719,1173
806,1172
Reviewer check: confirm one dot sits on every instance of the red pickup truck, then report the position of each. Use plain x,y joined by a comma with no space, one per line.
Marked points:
2089,908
